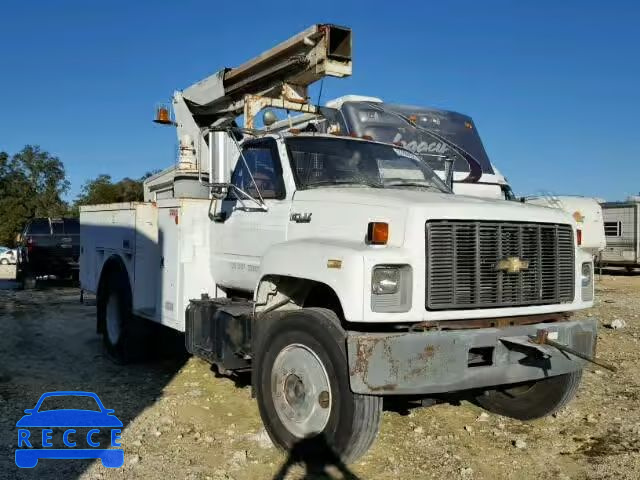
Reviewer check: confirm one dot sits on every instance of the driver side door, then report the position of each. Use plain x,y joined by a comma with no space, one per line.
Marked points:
248,230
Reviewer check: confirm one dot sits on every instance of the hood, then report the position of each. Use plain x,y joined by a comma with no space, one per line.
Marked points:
434,205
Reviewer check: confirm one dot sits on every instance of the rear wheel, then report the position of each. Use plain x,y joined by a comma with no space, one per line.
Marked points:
4,261
302,388
28,280
120,329
534,399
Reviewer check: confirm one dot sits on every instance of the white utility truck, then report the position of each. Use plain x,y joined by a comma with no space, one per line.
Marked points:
338,270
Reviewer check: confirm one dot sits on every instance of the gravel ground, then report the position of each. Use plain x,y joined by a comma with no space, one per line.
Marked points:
182,421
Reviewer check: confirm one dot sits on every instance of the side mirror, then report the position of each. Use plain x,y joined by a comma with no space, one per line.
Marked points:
222,148
29,411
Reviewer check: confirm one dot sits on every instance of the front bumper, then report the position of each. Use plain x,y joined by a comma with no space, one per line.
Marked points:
428,362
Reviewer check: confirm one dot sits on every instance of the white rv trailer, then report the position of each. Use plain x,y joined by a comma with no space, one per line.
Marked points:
338,270
622,232
587,213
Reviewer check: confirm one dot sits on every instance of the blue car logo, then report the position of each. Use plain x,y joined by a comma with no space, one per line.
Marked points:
98,421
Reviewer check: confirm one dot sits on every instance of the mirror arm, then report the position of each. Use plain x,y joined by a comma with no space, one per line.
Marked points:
448,172
244,160
260,202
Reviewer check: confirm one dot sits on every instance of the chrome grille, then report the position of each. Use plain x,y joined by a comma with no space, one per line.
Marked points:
462,260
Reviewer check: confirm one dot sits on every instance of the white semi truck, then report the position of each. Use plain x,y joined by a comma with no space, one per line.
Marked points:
338,270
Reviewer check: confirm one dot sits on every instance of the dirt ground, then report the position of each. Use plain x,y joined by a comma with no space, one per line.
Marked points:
182,421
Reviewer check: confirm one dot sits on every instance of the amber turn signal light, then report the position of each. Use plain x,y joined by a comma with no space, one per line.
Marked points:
377,233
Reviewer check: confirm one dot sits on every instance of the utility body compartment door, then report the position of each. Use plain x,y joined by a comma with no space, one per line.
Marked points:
169,245
106,230
146,260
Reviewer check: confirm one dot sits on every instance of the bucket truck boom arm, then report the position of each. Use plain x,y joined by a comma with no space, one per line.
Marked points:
278,77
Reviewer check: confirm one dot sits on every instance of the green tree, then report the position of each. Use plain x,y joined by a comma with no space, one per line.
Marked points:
103,190
32,184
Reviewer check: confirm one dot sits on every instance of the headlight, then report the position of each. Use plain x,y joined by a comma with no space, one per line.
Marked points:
586,276
391,287
385,280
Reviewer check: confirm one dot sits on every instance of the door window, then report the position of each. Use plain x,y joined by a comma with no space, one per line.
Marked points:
264,166
613,229
58,227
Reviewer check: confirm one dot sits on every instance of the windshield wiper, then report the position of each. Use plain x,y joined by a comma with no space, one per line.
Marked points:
324,183
409,183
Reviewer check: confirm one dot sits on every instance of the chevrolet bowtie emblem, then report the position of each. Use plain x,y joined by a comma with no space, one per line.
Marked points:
512,265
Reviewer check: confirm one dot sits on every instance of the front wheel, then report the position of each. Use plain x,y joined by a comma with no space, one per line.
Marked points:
303,391
533,399
4,261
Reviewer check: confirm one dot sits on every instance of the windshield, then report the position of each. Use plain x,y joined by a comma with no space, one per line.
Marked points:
321,161
384,122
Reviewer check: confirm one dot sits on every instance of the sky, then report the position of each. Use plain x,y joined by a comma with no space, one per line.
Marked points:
553,87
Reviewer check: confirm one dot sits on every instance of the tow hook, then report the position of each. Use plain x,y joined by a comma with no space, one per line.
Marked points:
542,338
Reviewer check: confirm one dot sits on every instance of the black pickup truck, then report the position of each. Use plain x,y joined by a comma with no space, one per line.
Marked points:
48,246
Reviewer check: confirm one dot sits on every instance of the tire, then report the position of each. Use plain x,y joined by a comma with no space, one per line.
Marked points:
28,281
4,261
310,344
532,400
120,329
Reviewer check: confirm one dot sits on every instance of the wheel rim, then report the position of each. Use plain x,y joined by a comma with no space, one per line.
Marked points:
301,390
113,319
